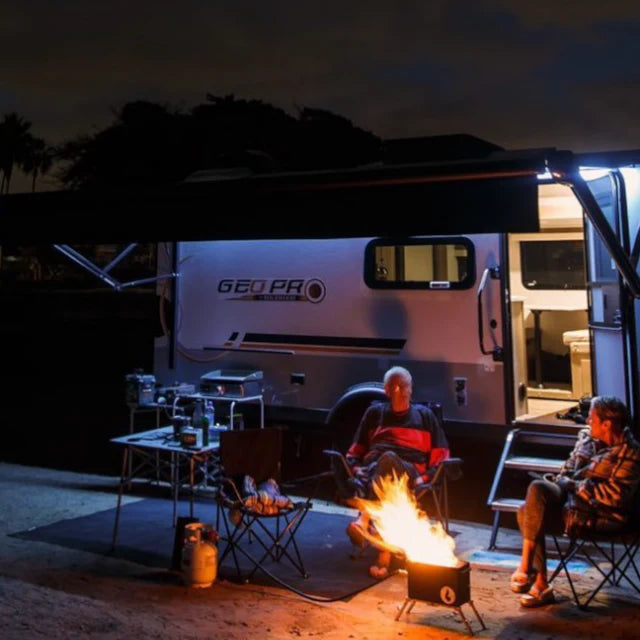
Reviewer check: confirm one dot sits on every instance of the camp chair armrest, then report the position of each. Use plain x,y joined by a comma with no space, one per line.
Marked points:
449,469
338,459
231,488
290,485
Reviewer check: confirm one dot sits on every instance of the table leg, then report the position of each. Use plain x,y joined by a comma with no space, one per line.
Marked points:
132,420
191,474
123,478
175,480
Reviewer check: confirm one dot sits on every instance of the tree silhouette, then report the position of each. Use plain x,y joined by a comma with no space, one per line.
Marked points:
327,140
15,140
151,144
143,146
243,133
38,159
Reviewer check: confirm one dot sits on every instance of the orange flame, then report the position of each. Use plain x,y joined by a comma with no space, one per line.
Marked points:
403,525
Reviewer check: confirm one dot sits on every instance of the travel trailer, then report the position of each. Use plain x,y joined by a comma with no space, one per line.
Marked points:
506,281
507,285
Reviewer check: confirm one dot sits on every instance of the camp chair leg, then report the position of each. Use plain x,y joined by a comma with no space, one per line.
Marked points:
568,555
618,567
562,565
633,549
281,550
436,504
445,495
276,550
631,562
608,576
292,540
278,553
231,542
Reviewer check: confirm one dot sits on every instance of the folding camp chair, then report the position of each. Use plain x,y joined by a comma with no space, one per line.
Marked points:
349,410
617,549
257,518
436,489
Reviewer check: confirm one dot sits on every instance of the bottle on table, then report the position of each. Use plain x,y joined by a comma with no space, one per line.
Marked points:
209,411
201,421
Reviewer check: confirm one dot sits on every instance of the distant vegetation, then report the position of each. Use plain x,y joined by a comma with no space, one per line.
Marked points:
151,144
19,148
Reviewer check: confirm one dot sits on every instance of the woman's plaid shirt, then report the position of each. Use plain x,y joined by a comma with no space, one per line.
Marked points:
607,477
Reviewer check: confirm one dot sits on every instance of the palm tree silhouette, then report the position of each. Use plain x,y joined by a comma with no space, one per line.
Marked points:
38,160
14,144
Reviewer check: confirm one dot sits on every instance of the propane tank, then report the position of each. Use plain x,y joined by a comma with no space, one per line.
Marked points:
199,555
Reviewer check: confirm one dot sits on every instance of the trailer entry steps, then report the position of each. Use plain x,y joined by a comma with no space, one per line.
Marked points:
524,452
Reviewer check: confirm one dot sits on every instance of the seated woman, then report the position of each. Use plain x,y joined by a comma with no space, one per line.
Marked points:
593,490
393,436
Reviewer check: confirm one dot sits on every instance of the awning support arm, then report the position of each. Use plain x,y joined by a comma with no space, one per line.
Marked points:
85,263
102,274
123,254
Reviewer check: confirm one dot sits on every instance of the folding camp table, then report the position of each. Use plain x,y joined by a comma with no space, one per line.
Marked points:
149,447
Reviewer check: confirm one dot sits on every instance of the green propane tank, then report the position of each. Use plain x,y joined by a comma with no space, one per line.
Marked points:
199,555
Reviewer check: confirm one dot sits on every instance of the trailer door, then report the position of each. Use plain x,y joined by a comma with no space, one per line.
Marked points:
611,312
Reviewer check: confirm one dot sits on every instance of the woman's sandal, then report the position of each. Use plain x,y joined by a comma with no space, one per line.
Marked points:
521,582
537,598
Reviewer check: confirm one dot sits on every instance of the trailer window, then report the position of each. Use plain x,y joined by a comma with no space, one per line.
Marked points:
552,264
421,263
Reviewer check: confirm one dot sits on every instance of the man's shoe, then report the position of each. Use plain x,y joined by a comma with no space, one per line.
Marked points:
380,569
537,598
379,573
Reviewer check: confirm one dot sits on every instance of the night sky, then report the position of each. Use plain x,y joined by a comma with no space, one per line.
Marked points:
520,74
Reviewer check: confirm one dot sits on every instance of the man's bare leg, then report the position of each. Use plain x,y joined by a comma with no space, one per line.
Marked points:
380,569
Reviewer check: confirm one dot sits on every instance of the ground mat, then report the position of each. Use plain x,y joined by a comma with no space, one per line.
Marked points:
511,561
146,536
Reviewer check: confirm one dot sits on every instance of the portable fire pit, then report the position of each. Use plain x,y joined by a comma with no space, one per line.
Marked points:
445,586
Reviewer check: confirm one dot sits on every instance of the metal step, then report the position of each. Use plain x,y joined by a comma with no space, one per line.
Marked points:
530,463
506,504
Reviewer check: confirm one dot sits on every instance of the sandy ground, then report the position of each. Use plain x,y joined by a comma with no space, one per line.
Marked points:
50,591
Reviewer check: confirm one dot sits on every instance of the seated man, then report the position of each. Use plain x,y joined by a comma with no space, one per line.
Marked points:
394,436
595,486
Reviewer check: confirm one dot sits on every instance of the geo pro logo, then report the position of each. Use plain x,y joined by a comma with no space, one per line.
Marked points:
273,289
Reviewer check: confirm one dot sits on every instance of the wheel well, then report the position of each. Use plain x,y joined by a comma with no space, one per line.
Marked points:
344,418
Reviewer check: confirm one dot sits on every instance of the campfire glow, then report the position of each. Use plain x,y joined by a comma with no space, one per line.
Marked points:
405,527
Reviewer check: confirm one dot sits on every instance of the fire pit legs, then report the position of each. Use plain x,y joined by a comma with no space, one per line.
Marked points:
411,602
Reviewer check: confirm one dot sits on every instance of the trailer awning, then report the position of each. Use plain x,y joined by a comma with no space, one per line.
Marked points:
420,199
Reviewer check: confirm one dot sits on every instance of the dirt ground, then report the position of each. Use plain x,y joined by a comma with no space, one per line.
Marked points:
55,592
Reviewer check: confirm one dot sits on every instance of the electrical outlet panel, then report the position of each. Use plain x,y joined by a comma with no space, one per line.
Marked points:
460,391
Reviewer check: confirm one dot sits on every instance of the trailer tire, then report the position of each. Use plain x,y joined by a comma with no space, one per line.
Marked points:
344,418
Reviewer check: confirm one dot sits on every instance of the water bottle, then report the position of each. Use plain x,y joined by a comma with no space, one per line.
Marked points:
205,431
201,422
196,418
209,411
